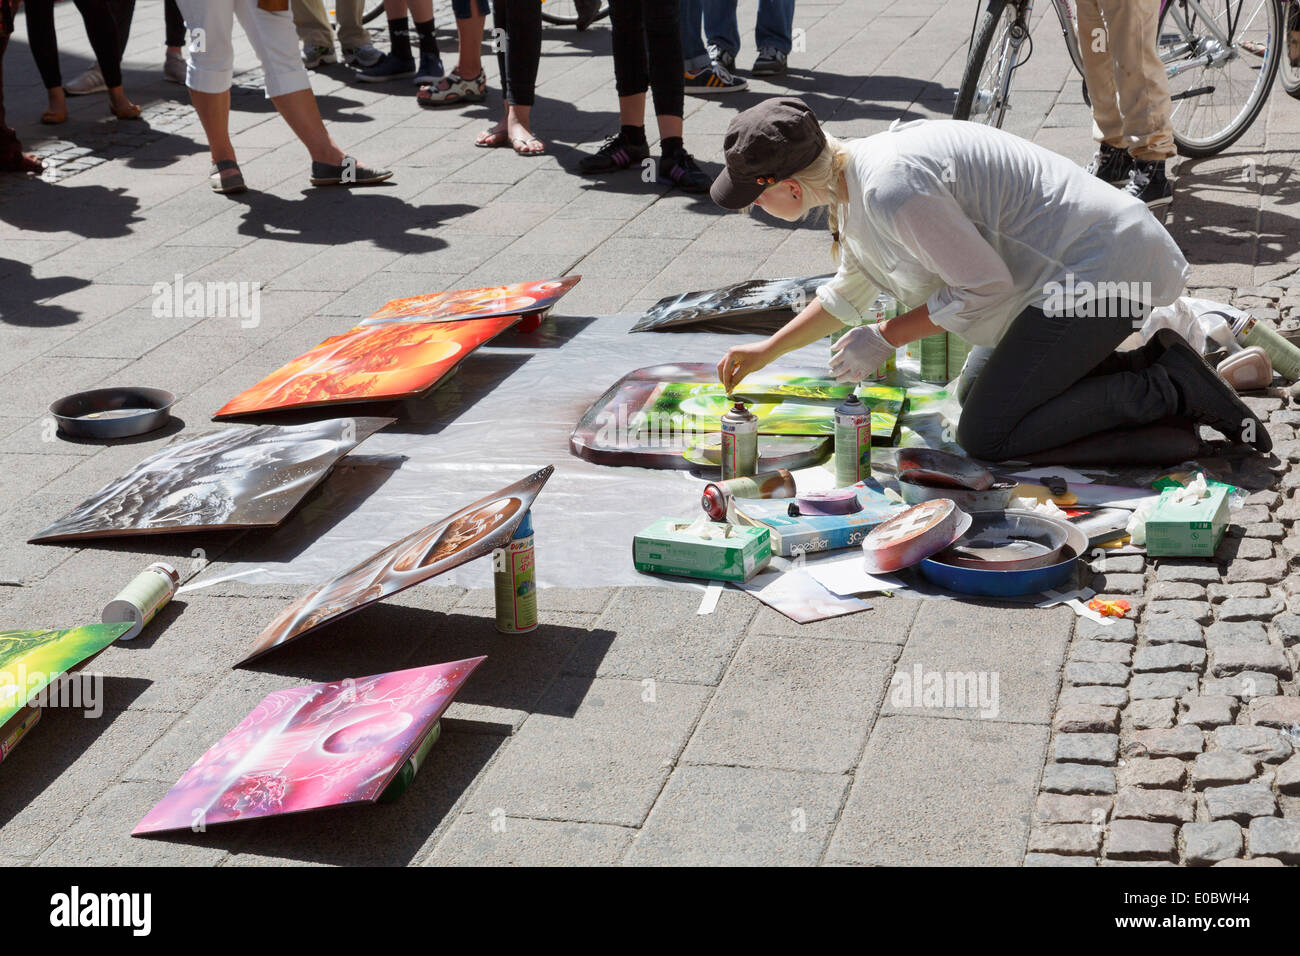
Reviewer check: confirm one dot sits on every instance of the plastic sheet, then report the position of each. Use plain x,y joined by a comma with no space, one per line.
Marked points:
507,412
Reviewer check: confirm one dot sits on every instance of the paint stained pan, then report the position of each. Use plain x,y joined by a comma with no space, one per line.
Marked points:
1008,541
994,498
916,533
113,412
933,467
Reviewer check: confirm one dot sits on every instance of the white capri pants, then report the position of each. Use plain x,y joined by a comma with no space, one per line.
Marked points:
212,51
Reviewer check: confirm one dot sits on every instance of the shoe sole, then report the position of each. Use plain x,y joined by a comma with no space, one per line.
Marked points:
710,90
1187,357
362,78
456,100
1162,201
338,181
91,92
756,71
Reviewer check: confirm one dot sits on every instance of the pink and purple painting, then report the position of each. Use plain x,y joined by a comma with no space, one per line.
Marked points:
308,748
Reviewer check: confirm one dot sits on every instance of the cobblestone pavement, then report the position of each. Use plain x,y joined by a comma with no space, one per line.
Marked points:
1164,739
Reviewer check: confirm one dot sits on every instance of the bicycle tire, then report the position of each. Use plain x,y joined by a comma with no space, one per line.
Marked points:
975,61
1200,149
1289,74
376,11
565,20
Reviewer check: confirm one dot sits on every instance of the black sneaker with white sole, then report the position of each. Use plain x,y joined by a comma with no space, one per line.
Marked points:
1148,182
679,169
1111,165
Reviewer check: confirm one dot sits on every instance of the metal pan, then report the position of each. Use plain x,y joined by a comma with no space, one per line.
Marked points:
1008,541
113,412
993,499
996,584
935,467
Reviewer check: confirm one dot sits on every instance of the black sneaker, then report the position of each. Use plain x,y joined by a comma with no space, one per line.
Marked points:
770,62
725,57
681,171
713,78
1205,398
388,68
617,153
1111,165
430,70
587,10
1147,182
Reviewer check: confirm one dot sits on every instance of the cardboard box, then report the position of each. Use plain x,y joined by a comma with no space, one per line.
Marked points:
1188,529
808,534
729,553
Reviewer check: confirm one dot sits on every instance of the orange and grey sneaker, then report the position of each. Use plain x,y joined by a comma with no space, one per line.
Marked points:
714,78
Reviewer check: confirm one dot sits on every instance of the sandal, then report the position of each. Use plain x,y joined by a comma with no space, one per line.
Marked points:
230,184
521,144
347,173
492,138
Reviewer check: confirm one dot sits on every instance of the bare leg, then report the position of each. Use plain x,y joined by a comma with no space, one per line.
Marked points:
58,111
120,105
631,110
518,123
214,115
669,126
300,111
469,40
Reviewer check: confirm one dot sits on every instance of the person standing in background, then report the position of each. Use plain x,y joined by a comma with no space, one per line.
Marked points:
317,34
1129,89
12,157
399,62
102,30
519,51
467,82
711,68
92,81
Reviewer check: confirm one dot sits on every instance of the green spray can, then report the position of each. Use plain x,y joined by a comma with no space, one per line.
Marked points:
402,782
514,579
852,442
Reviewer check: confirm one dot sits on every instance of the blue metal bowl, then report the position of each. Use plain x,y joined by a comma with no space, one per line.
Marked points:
985,583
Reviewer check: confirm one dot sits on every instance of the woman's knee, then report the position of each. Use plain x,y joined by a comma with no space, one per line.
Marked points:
981,437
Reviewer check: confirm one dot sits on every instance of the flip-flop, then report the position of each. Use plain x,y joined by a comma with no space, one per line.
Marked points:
516,141
492,139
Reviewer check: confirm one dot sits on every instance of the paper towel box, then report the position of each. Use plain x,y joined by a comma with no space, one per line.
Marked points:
1187,529
728,553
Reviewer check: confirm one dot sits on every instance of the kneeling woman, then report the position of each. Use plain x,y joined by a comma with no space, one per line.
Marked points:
1006,244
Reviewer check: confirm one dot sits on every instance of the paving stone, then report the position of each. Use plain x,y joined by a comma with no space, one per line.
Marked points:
1057,859
1208,843
1086,748
1169,657
1184,741
1076,839
1268,571
1269,531
1199,611
1169,772
1177,591
1241,802
1288,628
1080,673
1125,563
1140,840
1272,837
1281,712
1252,514
1101,652
1250,609
1208,712
1168,684
1234,634
1086,718
1221,768
1245,685
1153,714
1261,861
1093,694
1199,572
1071,808
478,839
1249,549
1265,658
1078,778
1257,743
1172,630
1121,631
1247,589
1291,544
1288,776
1164,806
1112,583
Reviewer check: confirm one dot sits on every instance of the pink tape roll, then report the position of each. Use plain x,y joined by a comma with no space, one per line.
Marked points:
842,501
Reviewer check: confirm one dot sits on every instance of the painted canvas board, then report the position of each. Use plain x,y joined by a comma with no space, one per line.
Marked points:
473,531
369,364
520,298
238,477
307,748
32,660
731,302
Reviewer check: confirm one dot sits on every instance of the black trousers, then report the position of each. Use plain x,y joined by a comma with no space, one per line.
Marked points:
519,50
1055,378
175,23
648,52
101,28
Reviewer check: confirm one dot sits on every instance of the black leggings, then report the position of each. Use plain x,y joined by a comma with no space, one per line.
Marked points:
638,24
175,23
100,28
519,49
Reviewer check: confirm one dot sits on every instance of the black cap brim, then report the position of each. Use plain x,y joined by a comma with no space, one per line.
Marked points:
729,194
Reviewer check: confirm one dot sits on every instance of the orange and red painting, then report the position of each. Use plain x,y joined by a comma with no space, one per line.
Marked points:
521,298
368,364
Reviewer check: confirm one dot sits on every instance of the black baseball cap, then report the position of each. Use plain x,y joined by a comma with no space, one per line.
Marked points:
764,145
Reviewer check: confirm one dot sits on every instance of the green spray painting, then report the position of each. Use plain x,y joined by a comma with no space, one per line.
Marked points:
31,660
785,404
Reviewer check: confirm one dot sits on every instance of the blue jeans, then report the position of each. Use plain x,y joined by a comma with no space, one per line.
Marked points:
774,28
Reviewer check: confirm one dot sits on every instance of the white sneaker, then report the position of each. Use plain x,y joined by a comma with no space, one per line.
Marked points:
174,68
314,56
362,56
92,81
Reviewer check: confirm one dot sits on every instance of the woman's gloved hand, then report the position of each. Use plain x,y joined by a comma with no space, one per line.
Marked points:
858,353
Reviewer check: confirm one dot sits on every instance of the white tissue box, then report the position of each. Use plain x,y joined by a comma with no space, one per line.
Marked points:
677,546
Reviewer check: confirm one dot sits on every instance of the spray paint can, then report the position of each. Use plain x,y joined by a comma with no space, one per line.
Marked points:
18,727
1283,354
958,349
718,494
739,442
934,358
402,782
852,442
138,602
514,579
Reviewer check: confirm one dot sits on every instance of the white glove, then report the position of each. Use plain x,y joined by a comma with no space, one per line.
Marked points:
858,353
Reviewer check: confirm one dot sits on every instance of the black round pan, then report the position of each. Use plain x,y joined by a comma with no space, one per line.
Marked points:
113,412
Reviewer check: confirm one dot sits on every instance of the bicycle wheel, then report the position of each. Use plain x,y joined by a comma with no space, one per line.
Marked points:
376,11
1289,68
1220,70
981,98
564,13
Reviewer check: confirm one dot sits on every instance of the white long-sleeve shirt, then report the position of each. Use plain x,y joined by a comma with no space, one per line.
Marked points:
979,224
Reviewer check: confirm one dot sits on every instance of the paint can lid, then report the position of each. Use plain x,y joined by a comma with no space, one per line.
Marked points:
164,568
525,526
913,535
